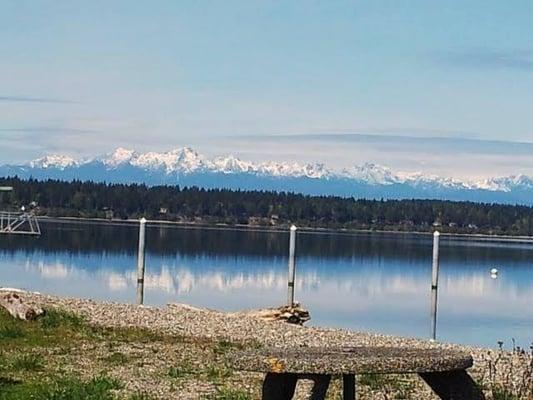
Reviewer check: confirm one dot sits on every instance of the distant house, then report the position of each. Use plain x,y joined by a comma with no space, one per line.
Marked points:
163,210
437,223
254,221
452,225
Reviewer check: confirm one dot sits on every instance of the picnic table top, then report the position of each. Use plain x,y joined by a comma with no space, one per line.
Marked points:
349,360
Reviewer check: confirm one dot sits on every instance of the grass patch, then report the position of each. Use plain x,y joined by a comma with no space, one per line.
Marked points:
8,331
54,319
34,356
501,394
129,335
99,388
216,372
117,358
182,371
230,394
223,346
56,327
141,396
397,386
7,382
373,381
27,362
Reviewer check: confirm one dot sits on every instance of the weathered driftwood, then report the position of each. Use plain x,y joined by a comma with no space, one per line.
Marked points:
15,305
294,315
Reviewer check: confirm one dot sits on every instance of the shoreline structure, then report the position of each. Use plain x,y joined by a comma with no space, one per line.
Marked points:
283,228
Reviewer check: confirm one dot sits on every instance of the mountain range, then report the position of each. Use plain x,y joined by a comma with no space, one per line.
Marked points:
186,167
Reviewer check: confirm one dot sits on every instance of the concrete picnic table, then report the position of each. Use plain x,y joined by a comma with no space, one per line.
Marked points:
443,370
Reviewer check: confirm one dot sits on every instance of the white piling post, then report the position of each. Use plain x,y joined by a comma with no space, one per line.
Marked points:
140,261
292,265
434,285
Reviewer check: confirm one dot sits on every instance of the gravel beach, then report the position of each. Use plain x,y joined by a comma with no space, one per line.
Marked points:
492,368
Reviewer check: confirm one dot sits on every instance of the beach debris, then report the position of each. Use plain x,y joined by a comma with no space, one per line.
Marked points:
294,314
16,307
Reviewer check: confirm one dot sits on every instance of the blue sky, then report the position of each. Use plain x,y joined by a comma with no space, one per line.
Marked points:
82,77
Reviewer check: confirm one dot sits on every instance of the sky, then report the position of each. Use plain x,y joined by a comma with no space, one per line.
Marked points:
294,80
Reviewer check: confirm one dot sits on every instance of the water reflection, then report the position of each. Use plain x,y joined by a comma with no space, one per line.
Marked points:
371,282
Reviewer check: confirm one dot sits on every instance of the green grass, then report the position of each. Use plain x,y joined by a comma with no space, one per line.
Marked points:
141,396
117,358
54,328
182,371
62,328
501,394
14,362
230,394
8,332
34,356
401,388
217,372
27,362
373,381
99,388
54,319
223,346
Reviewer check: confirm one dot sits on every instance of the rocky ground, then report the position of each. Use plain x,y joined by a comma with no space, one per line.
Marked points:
180,352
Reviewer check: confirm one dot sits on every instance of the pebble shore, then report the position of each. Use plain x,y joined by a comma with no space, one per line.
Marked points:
491,367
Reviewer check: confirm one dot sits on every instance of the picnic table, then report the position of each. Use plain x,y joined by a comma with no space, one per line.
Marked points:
443,370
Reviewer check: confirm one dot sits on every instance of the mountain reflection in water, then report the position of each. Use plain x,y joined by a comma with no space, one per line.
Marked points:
376,282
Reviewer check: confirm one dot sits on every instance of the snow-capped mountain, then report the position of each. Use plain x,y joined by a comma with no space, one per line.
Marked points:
53,161
373,174
186,167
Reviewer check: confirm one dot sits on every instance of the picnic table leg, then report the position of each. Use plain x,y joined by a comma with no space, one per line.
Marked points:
279,386
348,387
453,385
320,387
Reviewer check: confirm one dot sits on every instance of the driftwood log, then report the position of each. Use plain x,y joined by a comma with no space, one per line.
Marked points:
292,314
15,305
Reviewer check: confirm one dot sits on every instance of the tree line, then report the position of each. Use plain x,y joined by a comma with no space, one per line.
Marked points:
265,208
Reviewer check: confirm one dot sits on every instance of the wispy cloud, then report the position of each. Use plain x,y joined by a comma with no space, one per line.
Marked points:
489,58
47,129
26,99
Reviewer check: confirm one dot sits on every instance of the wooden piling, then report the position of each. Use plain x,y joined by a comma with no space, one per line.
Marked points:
292,265
434,284
140,261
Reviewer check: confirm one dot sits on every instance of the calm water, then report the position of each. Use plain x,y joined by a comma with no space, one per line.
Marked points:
375,282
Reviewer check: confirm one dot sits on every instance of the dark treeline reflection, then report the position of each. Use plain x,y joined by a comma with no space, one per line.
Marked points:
86,238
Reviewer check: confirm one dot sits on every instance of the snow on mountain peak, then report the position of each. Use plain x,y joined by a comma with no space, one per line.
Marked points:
231,164
316,171
506,183
371,173
53,161
182,160
292,169
178,160
187,161
118,157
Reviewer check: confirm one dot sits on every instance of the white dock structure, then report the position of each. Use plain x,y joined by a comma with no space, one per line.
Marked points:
21,222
